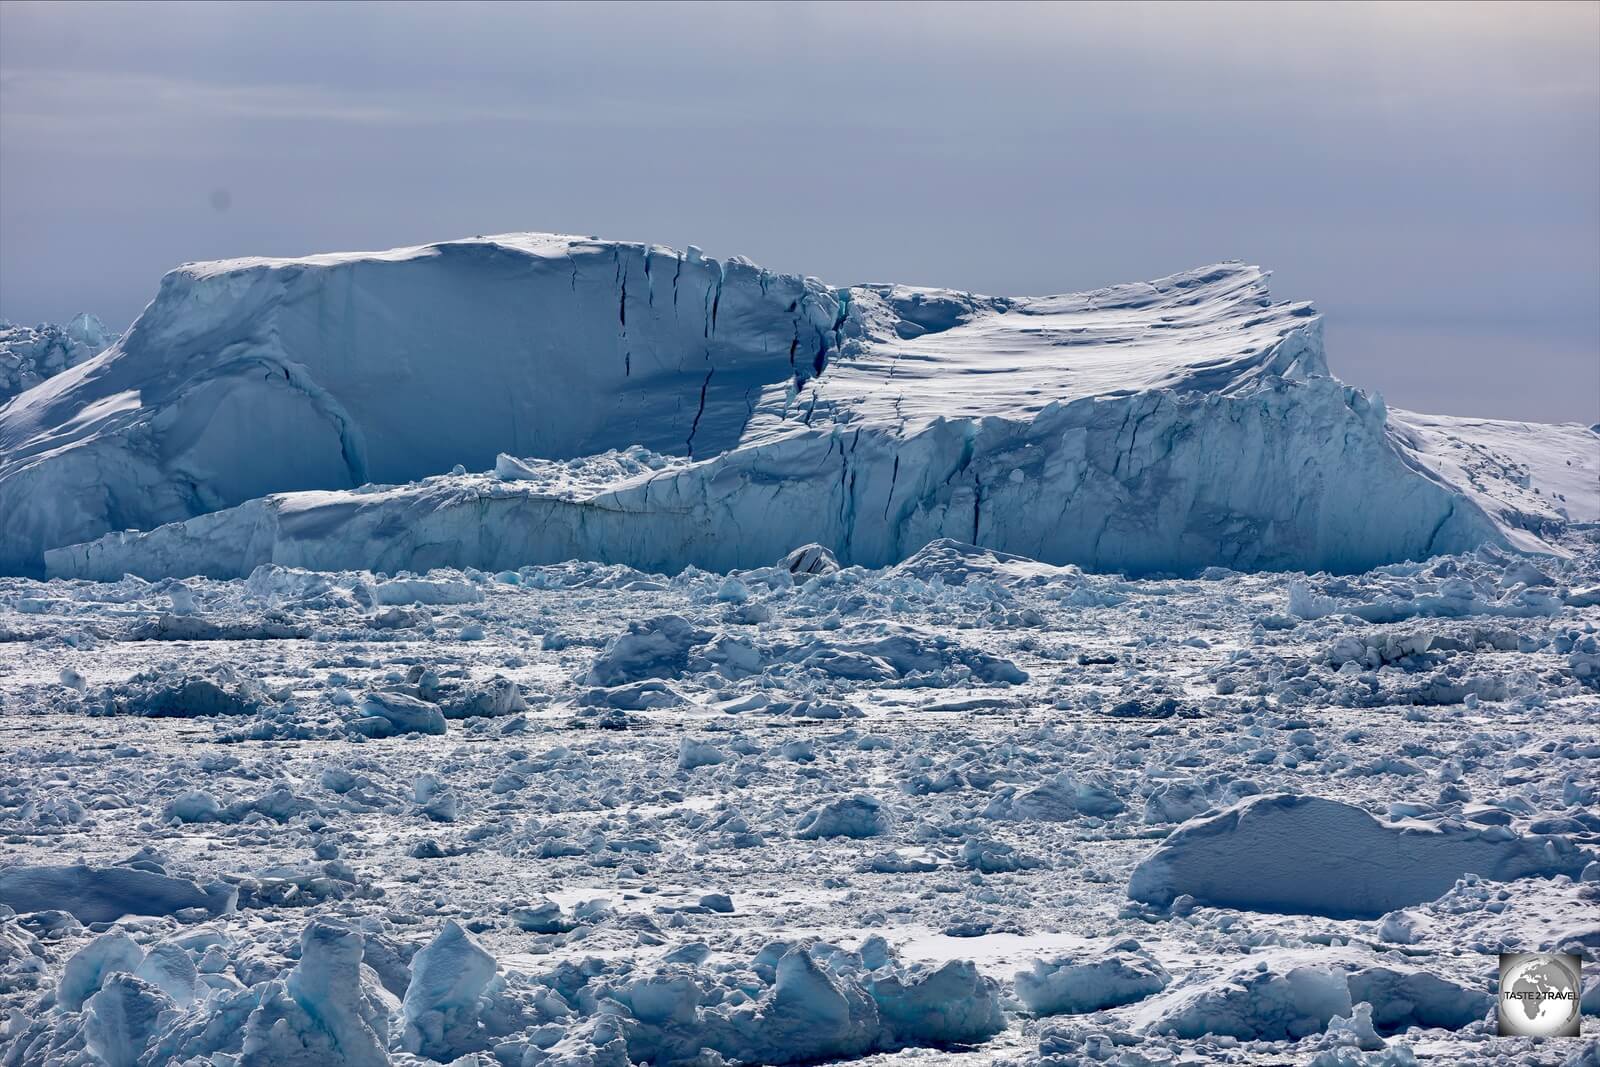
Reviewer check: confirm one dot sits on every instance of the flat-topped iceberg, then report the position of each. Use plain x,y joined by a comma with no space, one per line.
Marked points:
656,408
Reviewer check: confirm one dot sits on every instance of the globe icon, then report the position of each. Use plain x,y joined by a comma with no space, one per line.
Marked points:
1538,995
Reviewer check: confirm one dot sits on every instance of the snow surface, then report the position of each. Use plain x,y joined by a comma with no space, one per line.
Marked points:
637,404
1533,478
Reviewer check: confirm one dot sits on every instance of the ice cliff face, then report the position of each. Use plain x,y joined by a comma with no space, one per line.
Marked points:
254,376
1164,426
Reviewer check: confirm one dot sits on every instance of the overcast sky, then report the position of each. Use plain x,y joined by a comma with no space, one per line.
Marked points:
1428,174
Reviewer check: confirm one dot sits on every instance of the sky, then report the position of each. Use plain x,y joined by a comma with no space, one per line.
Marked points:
1428,174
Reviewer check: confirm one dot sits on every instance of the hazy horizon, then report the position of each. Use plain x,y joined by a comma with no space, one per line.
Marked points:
1429,175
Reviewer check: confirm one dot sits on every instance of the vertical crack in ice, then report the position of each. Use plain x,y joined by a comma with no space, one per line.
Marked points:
695,426
351,448
977,505
1105,524
644,504
844,499
968,445
894,364
1439,526
839,320
849,502
714,298
894,476
1133,440
622,312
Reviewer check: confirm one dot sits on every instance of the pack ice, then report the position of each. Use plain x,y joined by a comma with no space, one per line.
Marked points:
645,406
761,697
971,808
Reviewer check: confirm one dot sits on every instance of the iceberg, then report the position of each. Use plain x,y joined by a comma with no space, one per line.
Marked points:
1287,994
106,894
89,967
120,1020
322,1012
632,404
1305,855
30,354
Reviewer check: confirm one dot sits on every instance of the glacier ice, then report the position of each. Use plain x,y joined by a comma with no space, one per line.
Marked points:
105,894
1288,994
1310,855
820,1004
442,1003
170,969
633,404
323,1012
393,366
120,1019
91,965
1069,986
383,714
651,648
1532,478
30,354
854,816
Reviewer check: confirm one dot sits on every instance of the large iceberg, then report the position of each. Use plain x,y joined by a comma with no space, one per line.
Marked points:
633,404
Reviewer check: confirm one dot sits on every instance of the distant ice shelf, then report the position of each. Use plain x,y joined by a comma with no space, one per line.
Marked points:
633,404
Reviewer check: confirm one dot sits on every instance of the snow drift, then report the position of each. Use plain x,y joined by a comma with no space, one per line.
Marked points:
665,408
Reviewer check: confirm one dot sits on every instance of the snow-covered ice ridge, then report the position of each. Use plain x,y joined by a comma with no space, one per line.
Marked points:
289,411
30,354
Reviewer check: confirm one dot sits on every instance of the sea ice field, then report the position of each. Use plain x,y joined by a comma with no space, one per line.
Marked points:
539,651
